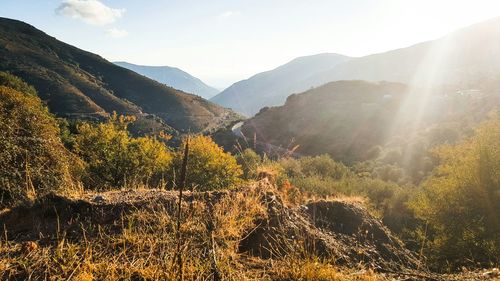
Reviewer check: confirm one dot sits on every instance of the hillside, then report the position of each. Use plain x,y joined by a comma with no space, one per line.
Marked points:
467,58
95,236
344,118
350,120
76,83
239,242
272,87
173,77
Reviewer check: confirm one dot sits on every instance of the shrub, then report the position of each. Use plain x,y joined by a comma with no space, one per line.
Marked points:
315,185
33,159
10,81
249,161
323,166
460,201
114,159
209,167
318,175
292,167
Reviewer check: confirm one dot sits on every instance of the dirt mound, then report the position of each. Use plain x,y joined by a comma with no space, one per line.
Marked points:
352,225
342,232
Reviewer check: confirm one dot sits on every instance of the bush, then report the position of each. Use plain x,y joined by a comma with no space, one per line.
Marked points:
460,201
33,159
114,159
323,166
209,167
10,81
318,175
318,186
249,161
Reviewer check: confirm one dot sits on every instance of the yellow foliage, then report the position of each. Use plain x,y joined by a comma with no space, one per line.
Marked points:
460,202
209,167
32,156
114,159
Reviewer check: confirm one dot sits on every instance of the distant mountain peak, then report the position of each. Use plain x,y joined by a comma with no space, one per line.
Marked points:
273,86
173,77
79,84
463,58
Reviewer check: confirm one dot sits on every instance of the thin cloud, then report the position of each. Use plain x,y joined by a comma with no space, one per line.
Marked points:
229,14
92,12
116,33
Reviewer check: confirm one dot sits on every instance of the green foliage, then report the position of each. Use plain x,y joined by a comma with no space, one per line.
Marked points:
319,175
323,166
209,167
10,81
317,186
114,159
249,161
33,160
460,202
322,176
389,172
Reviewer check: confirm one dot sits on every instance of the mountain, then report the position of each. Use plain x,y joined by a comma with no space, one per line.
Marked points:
465,58
80,84
352,120
344,119
173,77
272,87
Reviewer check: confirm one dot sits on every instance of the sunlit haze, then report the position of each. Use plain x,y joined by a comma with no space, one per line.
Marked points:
222,42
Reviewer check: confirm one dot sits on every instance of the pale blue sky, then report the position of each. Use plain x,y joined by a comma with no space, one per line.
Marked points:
223,41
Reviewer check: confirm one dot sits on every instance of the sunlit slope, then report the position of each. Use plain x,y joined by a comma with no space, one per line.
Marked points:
272,87
352,120
465,58
78,83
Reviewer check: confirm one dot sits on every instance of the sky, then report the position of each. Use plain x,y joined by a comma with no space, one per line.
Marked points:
224,41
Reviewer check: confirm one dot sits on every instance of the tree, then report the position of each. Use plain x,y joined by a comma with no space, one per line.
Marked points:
114,159
209,167
460,202
32,156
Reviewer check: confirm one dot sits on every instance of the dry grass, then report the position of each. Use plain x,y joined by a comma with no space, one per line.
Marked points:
313,269
140,245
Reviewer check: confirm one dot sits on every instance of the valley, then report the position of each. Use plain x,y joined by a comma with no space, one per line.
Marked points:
382,166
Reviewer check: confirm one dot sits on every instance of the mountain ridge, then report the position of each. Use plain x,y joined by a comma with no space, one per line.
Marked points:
173,77
77,83
464,58
281,81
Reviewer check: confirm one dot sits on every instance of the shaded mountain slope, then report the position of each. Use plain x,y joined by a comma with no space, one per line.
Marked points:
77,83
354,120
344,119
173,77
272,87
